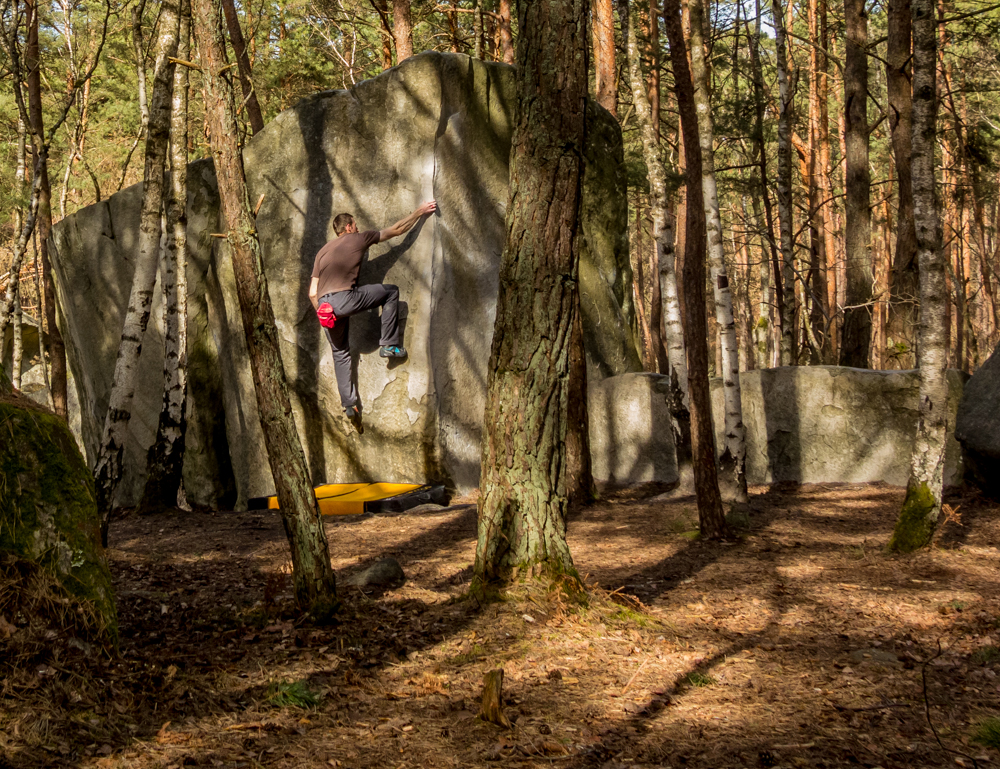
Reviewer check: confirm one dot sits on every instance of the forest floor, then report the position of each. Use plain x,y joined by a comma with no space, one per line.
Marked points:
801,644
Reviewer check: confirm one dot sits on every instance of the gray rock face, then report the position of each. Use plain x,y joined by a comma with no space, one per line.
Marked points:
93,262
438,126
631,440
977,424
830,424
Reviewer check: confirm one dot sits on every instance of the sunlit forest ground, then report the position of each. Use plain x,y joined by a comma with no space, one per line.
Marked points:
801,644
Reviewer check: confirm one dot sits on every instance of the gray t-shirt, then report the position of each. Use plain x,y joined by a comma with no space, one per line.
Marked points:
337,263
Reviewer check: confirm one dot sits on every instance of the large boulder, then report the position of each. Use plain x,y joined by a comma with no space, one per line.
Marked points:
977,425
48,516
437,126
815,424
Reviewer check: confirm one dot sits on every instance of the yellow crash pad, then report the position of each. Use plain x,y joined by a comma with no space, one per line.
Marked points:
358,498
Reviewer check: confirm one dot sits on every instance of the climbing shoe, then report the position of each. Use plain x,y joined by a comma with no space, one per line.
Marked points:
352,413
391,351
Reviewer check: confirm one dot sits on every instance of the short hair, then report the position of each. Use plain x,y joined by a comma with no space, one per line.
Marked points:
341,223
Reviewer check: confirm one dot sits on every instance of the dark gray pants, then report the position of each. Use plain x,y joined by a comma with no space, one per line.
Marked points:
348,303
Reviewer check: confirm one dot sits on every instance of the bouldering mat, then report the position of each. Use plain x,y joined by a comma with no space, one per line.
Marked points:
358,498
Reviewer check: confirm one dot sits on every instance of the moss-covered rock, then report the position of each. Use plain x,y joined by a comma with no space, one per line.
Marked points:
48,516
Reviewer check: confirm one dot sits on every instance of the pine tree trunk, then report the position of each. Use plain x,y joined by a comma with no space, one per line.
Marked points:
785,212
604,55
523,502
402,29
243,60
108,467
315,588
711,517
922,505
165,464
57,349
904,280
817,193
653,55
857,333
832,329
732,462
663,234
506,36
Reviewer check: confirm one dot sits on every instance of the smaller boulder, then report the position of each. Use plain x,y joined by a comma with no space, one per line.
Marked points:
977,425
631,440
48,517
386,572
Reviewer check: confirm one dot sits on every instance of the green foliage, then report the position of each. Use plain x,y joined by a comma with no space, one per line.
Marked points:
697,680
291,694
987,733
987,655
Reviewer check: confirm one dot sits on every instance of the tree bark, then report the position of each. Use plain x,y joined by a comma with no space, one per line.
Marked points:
819,312
243,60
663,234
922,505
315,587
764,322
506,36
402,29
523,502
653,54
604,55
108,467
785,211
57,349
711,517
904,279
732,461
165,463
856,339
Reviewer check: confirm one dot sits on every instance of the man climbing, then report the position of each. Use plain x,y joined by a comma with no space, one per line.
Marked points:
336,296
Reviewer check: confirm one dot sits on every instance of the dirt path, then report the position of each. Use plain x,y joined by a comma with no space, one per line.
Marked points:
803,644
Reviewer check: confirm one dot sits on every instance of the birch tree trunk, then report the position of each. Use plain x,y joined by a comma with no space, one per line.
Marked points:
243,60
711,517
315,587
402,29
922,505
663,234
108,467
523,502
856,338
17,351
57,349
165,462
764,324
785,213
604,55
732,461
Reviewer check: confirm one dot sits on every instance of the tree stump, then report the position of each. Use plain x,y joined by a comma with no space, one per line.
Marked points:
491,708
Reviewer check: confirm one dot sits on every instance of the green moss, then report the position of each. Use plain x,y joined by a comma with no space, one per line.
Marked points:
915,526
48,515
